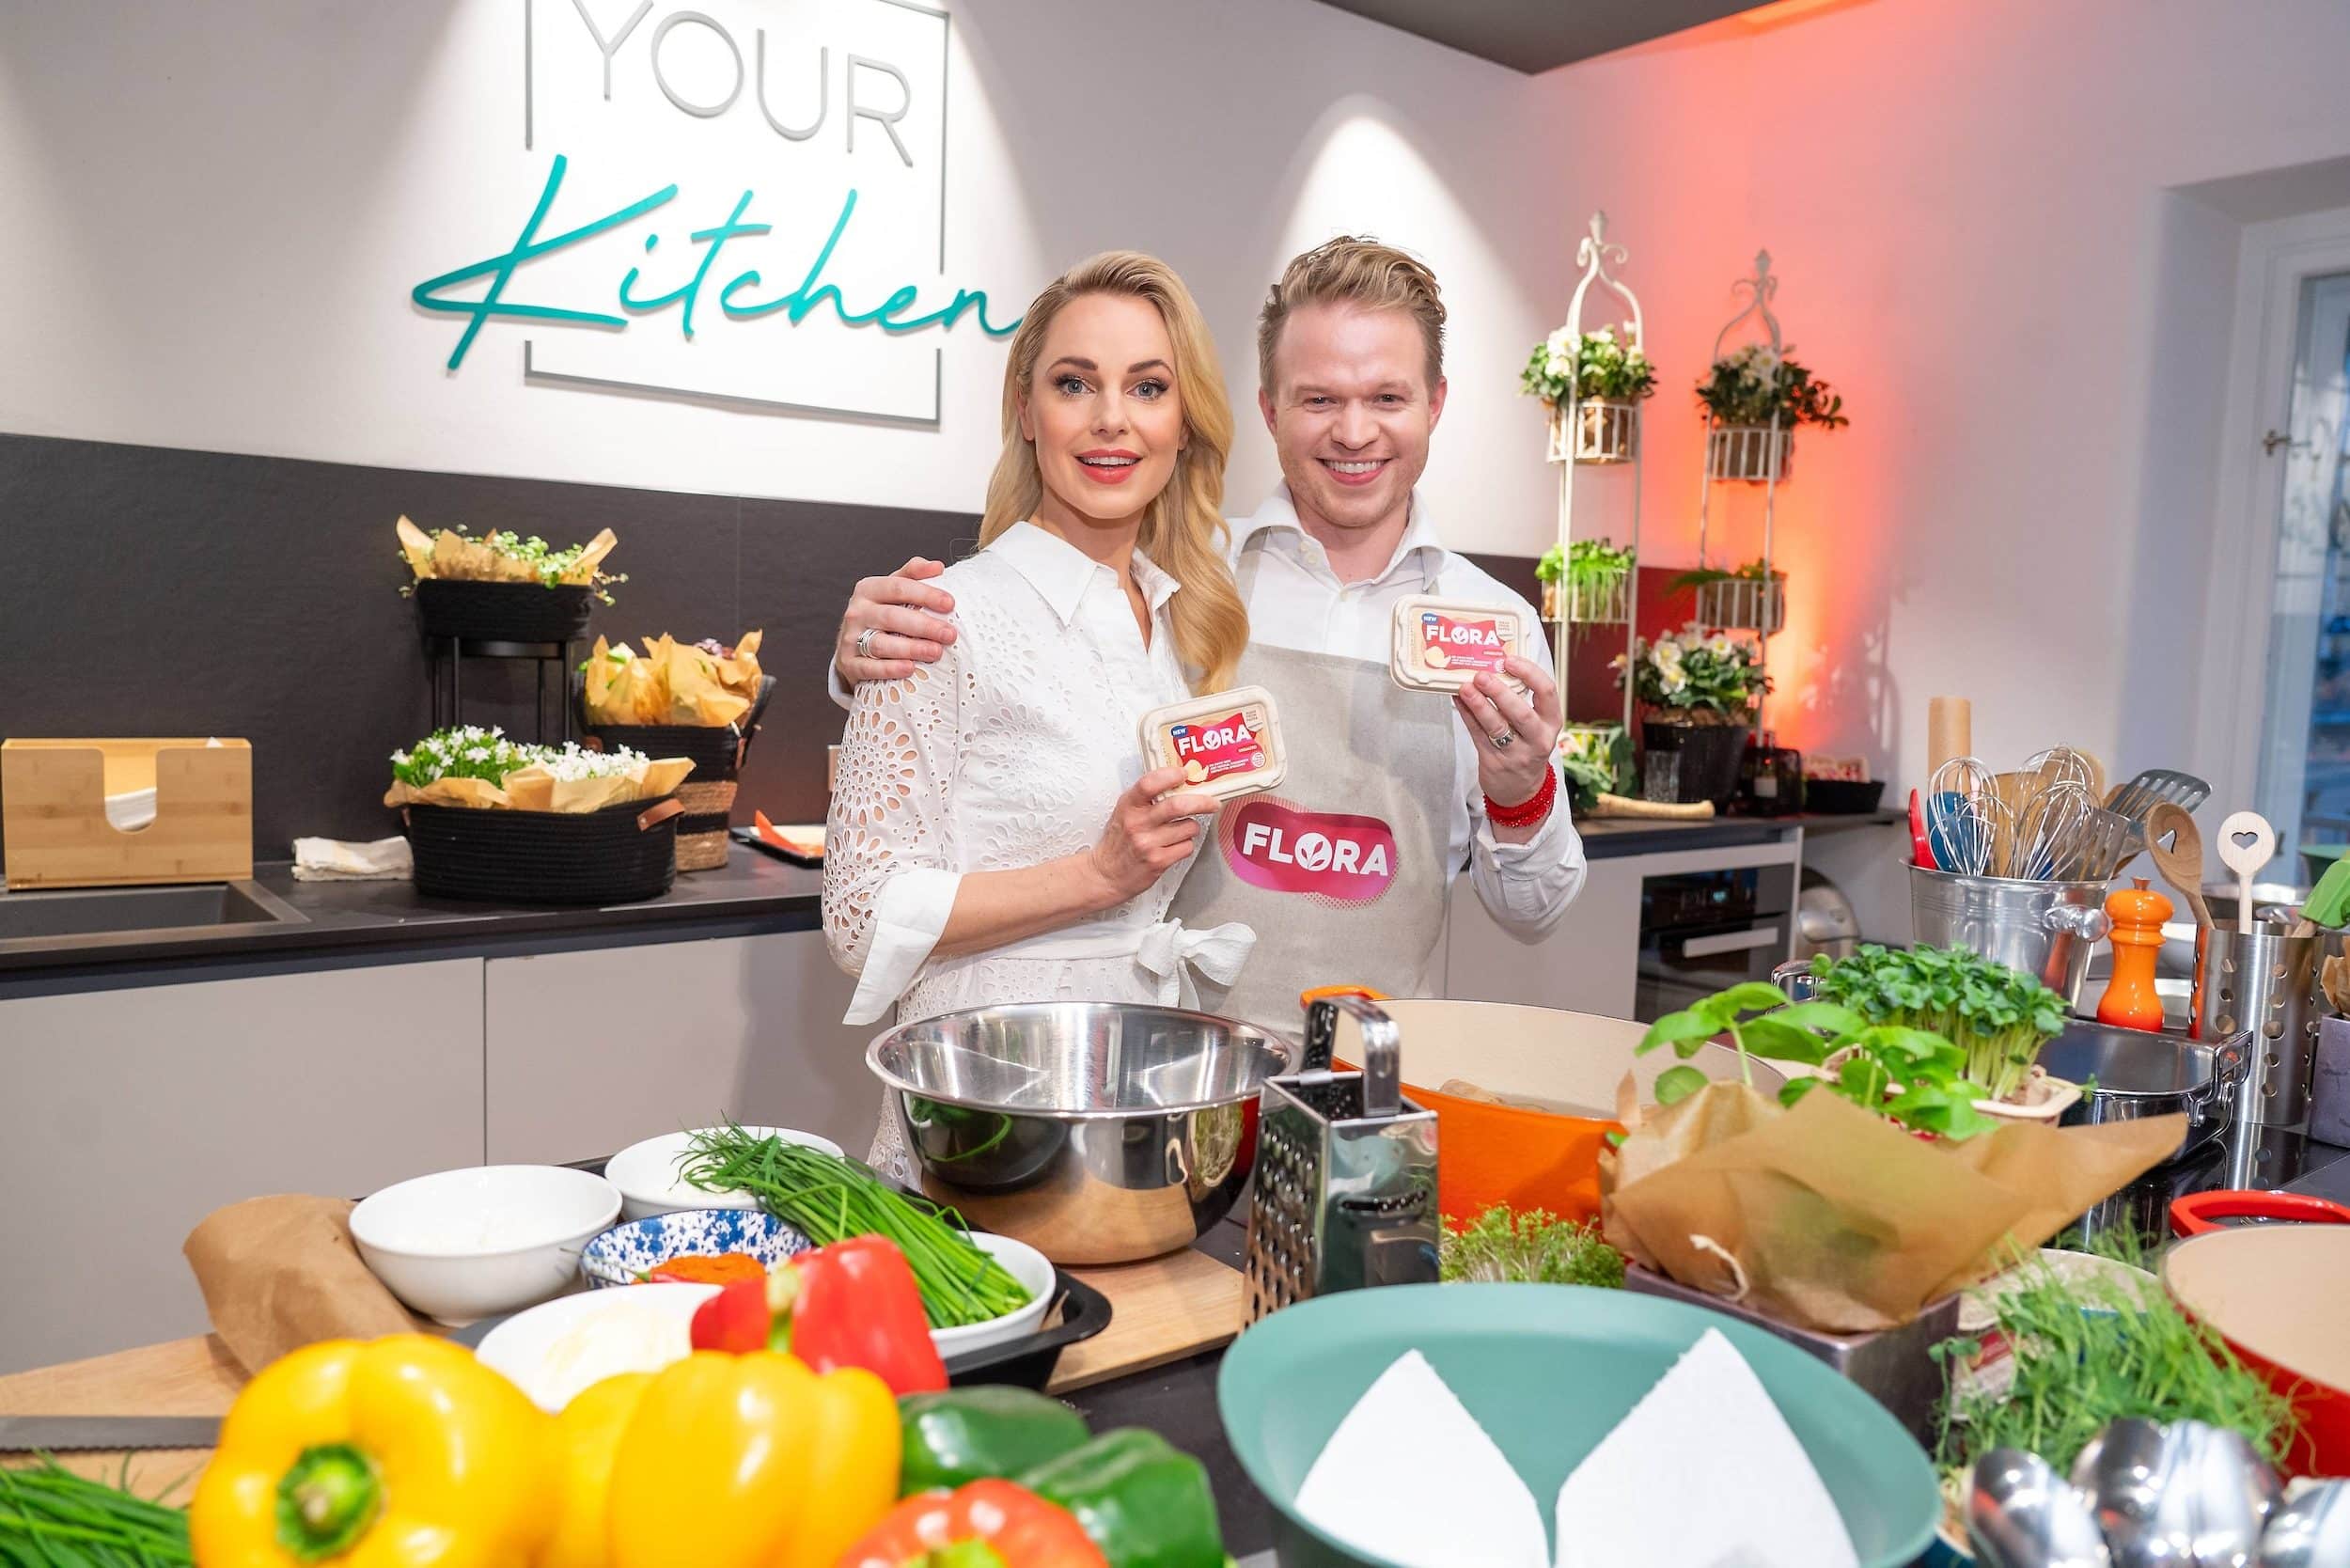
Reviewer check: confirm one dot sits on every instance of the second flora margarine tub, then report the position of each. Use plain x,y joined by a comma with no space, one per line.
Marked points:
1227,743
1440,645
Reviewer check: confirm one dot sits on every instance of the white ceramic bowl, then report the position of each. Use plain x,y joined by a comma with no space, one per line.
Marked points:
554,1351
462,1245
647,1178
1027,1266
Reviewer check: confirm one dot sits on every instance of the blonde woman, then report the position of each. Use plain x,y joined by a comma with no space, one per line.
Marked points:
993,837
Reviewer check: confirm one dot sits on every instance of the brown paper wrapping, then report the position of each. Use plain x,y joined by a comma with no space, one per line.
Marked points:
446,554
671,682
280,1273
534,788
1827,1218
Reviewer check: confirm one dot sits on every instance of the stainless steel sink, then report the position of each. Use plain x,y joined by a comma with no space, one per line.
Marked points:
131,912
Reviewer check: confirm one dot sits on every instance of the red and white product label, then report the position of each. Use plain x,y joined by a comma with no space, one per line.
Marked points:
1450,644
1271,844
1215,748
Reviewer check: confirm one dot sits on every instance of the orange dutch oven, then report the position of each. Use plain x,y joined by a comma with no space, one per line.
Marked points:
2275,1293
1563,1068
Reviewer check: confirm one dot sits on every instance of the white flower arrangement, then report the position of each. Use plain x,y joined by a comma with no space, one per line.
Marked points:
1695,668
472,752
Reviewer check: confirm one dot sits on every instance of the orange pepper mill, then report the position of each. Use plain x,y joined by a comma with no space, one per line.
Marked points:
2137,915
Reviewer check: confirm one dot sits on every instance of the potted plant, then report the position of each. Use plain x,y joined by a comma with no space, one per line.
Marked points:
1605,377
1999,1017
1594,760
1750,598
1755,397
1585,584
1697,693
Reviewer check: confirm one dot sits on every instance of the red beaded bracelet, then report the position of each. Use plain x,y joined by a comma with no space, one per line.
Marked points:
1527,812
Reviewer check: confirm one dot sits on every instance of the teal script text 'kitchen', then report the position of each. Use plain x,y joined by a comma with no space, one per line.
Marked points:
811,295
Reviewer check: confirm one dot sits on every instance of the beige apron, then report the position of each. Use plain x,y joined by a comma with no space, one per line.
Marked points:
1342,871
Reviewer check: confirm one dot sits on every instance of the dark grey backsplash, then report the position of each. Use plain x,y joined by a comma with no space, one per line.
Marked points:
151,591
147,591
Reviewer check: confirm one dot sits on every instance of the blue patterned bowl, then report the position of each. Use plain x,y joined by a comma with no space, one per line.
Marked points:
623,1254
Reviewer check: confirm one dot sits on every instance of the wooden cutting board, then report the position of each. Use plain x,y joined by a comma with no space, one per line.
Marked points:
1161,1311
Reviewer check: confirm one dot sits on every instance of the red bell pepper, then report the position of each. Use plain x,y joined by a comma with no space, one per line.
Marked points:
853,1304
985,1523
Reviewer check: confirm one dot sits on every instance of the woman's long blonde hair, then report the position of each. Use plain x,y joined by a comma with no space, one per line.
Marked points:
1182,530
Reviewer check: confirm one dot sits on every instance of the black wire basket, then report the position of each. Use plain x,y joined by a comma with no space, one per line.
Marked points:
503,612
618,855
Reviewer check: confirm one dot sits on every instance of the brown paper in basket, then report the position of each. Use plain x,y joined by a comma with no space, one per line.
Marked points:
280,1273
1827,1218
477,794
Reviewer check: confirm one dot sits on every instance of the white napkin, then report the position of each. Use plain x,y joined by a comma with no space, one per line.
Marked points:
333,860
1703,1473
1458,1502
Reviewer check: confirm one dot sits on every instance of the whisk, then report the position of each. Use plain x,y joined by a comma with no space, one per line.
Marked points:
2059,765
1965,819
2049,832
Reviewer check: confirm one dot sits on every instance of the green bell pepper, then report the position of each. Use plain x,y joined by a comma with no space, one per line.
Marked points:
1145,1503
965,1435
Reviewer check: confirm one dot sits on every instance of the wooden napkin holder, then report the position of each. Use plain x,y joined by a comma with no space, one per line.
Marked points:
53,831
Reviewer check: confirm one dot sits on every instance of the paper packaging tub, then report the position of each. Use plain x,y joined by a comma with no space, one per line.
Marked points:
1528,1159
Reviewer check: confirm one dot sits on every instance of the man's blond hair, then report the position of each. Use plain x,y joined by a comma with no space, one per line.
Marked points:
1358,271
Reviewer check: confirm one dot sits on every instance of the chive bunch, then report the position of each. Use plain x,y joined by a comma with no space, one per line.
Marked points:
828,1197
51,1518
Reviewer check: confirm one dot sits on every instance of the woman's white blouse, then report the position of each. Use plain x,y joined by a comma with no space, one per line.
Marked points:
1010,751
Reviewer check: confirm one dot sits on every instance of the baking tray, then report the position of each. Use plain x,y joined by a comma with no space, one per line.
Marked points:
750,836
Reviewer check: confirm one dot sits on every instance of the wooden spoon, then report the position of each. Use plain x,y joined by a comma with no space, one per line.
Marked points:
2247,845
2182,865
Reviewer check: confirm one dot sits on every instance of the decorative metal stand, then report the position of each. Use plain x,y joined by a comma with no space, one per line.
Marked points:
1605,430
1749,454
450,654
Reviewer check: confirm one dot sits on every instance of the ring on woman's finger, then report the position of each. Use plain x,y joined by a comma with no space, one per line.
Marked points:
865,642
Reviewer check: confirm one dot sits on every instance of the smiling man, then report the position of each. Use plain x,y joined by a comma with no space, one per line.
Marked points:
1344,870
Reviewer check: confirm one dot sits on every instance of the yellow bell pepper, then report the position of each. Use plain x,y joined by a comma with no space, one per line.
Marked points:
400,1452
752,1460
588,1440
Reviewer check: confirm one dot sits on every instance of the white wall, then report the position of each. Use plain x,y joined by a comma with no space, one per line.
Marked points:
216,212
1970,206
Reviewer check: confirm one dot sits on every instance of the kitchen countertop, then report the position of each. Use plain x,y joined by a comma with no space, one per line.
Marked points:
1605,837
353,918
752,891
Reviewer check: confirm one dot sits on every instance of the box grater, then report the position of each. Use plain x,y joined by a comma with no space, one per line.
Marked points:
1345,1188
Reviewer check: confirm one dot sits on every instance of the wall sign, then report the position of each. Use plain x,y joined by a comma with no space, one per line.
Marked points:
743,204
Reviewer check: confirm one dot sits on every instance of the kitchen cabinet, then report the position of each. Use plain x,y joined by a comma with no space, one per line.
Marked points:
128,1114
592,1050
1586,963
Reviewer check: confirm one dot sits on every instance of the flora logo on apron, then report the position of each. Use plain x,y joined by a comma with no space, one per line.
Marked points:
1277,844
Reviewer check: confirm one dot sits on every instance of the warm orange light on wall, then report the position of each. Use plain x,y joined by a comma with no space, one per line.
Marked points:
1779,12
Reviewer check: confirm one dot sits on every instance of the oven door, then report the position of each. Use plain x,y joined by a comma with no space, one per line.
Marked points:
1705,930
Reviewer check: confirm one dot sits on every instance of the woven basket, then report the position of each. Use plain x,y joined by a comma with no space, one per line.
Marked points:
503,612
707,794
701,832
617,855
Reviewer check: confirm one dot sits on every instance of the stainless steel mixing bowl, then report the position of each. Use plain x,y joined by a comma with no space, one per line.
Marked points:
1096,1131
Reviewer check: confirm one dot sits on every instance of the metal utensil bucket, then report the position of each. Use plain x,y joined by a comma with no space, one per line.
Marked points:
2265,983
2048,929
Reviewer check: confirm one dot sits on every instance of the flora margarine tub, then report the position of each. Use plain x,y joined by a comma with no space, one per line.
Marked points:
1440,645
1228,744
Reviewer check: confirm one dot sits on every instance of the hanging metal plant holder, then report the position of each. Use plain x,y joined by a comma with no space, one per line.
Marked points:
1599,601
1756,453
1745,603
1607,431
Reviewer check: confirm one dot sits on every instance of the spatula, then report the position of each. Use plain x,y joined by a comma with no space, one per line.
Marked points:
2138,796
2182,864
2247,844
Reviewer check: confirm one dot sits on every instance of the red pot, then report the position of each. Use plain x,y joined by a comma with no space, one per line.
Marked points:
2275,1293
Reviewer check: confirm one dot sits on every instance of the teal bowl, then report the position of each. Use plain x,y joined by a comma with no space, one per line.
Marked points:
1548,1370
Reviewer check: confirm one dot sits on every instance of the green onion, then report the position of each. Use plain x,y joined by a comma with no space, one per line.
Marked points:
828,1197
51,1518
